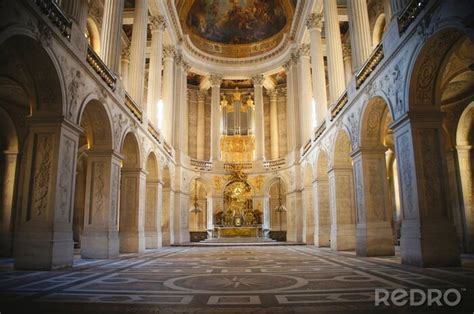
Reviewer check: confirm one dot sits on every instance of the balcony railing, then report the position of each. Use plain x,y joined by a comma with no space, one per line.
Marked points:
202,165
319,131
132,105
306,148
370,65
274,164
52,10
409,14
154,132
339,105
232,166
168,149
100,68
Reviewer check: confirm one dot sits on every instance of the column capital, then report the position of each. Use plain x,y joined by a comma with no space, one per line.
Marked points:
126,53
346,51
169,51
315,21
215,79
304,51
157,22
272,93
287,65
258,79
201,95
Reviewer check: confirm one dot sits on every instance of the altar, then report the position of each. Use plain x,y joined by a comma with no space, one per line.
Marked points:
231,232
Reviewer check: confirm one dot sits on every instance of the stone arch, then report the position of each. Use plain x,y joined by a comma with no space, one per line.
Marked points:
197,221
421,145
308,206
95,139
132,190
277,187
153,197
341,192
465,152
322,219
167,204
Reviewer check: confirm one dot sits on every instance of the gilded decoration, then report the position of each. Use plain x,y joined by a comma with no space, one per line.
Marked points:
236,28
237,148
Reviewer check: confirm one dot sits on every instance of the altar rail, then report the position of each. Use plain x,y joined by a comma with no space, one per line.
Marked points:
54,13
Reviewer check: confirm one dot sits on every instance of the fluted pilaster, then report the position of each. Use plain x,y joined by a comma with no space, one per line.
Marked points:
306,98
110,34
359,32
215,80
259,135
137,51
315,24
273,123
334,50
167,91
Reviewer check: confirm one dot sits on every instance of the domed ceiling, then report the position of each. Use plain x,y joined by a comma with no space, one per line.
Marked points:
236,28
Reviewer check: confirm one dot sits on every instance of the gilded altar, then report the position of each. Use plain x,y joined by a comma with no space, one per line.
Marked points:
238,217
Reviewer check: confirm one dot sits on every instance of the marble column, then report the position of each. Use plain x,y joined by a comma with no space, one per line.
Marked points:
43,227
153,213
137,52
124,66
291,109
157,26
322,218
347,57
341,200
166,121
215,80
374,214
333,51
306,107
180,105
77,11
110,33
273,123
428,234
6,206
259,116
359,29
315,24
201,97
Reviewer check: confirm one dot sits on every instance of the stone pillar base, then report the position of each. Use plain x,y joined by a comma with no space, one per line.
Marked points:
40,251
96,244
432,244
375,239
132,242
343,237
322,237
152,240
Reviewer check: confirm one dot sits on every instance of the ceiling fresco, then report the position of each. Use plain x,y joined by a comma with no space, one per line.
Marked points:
236,28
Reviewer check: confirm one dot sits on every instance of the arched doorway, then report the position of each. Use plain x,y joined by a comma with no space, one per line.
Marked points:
341,191
277,209
132,189
197,219
428,235
373,197
321,200
34,210
97,179
308,208
153,196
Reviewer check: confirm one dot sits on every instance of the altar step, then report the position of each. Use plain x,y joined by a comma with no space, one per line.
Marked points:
238,241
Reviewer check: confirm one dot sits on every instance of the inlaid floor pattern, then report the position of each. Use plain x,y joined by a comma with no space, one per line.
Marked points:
243,279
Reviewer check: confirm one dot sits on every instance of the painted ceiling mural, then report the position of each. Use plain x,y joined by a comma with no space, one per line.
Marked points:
236,28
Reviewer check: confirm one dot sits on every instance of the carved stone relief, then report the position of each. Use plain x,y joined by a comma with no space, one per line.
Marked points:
65,178
44,144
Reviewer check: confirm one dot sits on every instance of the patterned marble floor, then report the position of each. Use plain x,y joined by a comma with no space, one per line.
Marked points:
244,279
